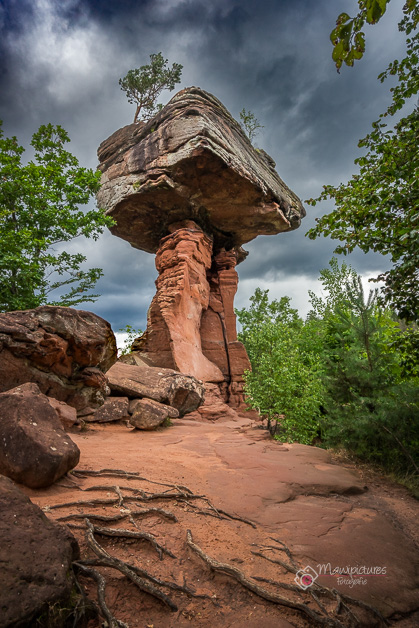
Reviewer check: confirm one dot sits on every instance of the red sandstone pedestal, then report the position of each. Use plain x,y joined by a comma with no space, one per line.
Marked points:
189,186
191,325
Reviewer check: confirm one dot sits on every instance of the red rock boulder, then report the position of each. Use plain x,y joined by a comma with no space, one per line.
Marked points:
35,558
138,380
114,409
65,351
147,414
34,449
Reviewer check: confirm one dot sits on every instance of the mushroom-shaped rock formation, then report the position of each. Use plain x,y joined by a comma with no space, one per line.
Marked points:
189,186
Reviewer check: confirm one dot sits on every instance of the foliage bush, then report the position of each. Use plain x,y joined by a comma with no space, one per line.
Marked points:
347,374
284,384
132,334
371,407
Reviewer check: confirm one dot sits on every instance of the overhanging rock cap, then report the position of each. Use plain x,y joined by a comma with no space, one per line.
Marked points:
192,161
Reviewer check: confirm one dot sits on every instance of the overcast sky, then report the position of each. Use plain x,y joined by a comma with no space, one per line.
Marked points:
60,61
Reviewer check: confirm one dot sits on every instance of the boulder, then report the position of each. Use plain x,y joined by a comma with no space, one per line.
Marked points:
183,392
189,186
65,351
35,558
214,407
34,448
148,414
67,414
114,409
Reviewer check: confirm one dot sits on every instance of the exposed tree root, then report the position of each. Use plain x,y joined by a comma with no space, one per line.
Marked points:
284,548
129,475
183,493
137,513
102,562
218,514
90,502
333,609
277,561
92,515
124,568
101,587
237,518
128,534
323,619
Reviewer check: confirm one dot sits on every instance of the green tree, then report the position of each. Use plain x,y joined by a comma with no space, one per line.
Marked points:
132,334
144,85
378,209
371,407
250,124
347,37
284,384
334,294
39,210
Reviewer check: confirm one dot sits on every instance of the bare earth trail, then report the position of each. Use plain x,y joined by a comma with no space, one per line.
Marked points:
293,494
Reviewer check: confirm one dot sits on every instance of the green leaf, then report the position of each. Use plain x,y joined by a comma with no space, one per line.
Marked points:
39,208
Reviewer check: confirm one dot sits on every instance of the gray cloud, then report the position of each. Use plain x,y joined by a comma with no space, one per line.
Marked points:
60,63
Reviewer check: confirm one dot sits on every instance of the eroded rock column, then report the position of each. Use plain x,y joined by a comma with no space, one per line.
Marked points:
173,337
191,324
218,327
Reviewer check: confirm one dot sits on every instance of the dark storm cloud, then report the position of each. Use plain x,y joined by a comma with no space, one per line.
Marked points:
61,60
292,255
127,286
128,289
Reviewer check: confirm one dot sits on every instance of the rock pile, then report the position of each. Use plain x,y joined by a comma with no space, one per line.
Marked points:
146,396
52,365
189,186
66,352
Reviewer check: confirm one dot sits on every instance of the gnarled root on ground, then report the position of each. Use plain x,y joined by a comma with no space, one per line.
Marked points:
331,608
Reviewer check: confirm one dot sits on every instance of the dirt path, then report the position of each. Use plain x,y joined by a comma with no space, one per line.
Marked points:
293,494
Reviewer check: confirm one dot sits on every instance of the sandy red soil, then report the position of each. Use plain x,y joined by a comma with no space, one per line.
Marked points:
294,494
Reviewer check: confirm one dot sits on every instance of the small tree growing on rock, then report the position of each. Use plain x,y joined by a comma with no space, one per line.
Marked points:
250,124
144,85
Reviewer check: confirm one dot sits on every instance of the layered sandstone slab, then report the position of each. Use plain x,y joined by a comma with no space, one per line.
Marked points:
65,351
192,161
138,380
